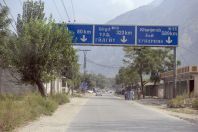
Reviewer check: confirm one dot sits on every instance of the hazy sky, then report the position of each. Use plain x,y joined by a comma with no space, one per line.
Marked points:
86,11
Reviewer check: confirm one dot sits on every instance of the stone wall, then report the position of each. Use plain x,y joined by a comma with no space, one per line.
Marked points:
10,83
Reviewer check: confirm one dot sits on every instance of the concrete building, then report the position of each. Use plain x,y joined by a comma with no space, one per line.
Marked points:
157,91
187,81
59,85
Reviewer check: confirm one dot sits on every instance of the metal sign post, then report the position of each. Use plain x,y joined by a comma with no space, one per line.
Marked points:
175,72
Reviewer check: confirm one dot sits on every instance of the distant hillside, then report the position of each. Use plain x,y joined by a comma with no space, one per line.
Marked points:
170,12
183,13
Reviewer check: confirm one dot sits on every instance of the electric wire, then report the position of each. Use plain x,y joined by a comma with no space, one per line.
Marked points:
74,14
60,16
102,65
9,11
183,58
190,51
65,10
9,18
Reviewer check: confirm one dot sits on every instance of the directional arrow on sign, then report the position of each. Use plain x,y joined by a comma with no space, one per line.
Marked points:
83,39
169,41
124,40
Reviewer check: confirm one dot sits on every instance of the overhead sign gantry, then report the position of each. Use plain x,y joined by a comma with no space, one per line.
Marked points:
121,35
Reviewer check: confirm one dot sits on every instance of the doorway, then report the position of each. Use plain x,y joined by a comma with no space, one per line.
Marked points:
192,86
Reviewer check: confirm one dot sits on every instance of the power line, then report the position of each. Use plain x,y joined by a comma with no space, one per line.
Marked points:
8,18
9,11
74,16
65,10
181,55
102,65
190,51
57,9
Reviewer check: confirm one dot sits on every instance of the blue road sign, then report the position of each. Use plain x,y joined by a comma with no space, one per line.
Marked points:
82,34
157,35
114,35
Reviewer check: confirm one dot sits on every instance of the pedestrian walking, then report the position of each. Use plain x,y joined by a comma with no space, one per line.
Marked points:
132,94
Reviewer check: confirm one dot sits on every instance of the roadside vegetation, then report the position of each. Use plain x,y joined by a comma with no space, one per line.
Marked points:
38,48
97,81
144,65
183,102
17,110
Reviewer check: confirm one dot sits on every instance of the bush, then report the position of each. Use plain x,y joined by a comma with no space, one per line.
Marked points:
39,105
11,114
195,104
78,95
16,110
60,98
178,102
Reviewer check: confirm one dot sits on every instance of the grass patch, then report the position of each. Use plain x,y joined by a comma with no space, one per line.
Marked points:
78,95
183,102
60,98
195,104
16,110
178,102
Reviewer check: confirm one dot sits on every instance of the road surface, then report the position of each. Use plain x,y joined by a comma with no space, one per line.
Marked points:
112,114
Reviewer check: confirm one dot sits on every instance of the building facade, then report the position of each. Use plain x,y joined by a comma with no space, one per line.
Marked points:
187,82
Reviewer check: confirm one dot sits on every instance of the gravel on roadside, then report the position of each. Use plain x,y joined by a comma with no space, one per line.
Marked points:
59,121
160,105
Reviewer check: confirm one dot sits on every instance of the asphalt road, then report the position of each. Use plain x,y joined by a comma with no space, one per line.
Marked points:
111,114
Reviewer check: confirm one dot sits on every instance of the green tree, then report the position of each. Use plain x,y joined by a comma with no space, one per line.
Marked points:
127,76
32,10
4,31
40,52
71,72
97,80
90,80
148,61
162,60
101,81
139,59
4,36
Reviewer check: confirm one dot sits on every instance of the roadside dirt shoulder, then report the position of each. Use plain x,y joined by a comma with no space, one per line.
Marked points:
193,118
59,121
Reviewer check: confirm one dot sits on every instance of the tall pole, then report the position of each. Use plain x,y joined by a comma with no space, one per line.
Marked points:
175,72
85,60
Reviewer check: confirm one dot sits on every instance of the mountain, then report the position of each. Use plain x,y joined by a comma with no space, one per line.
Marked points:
169,12
160,12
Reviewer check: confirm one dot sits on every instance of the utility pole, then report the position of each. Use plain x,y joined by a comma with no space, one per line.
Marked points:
175,72
85,59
